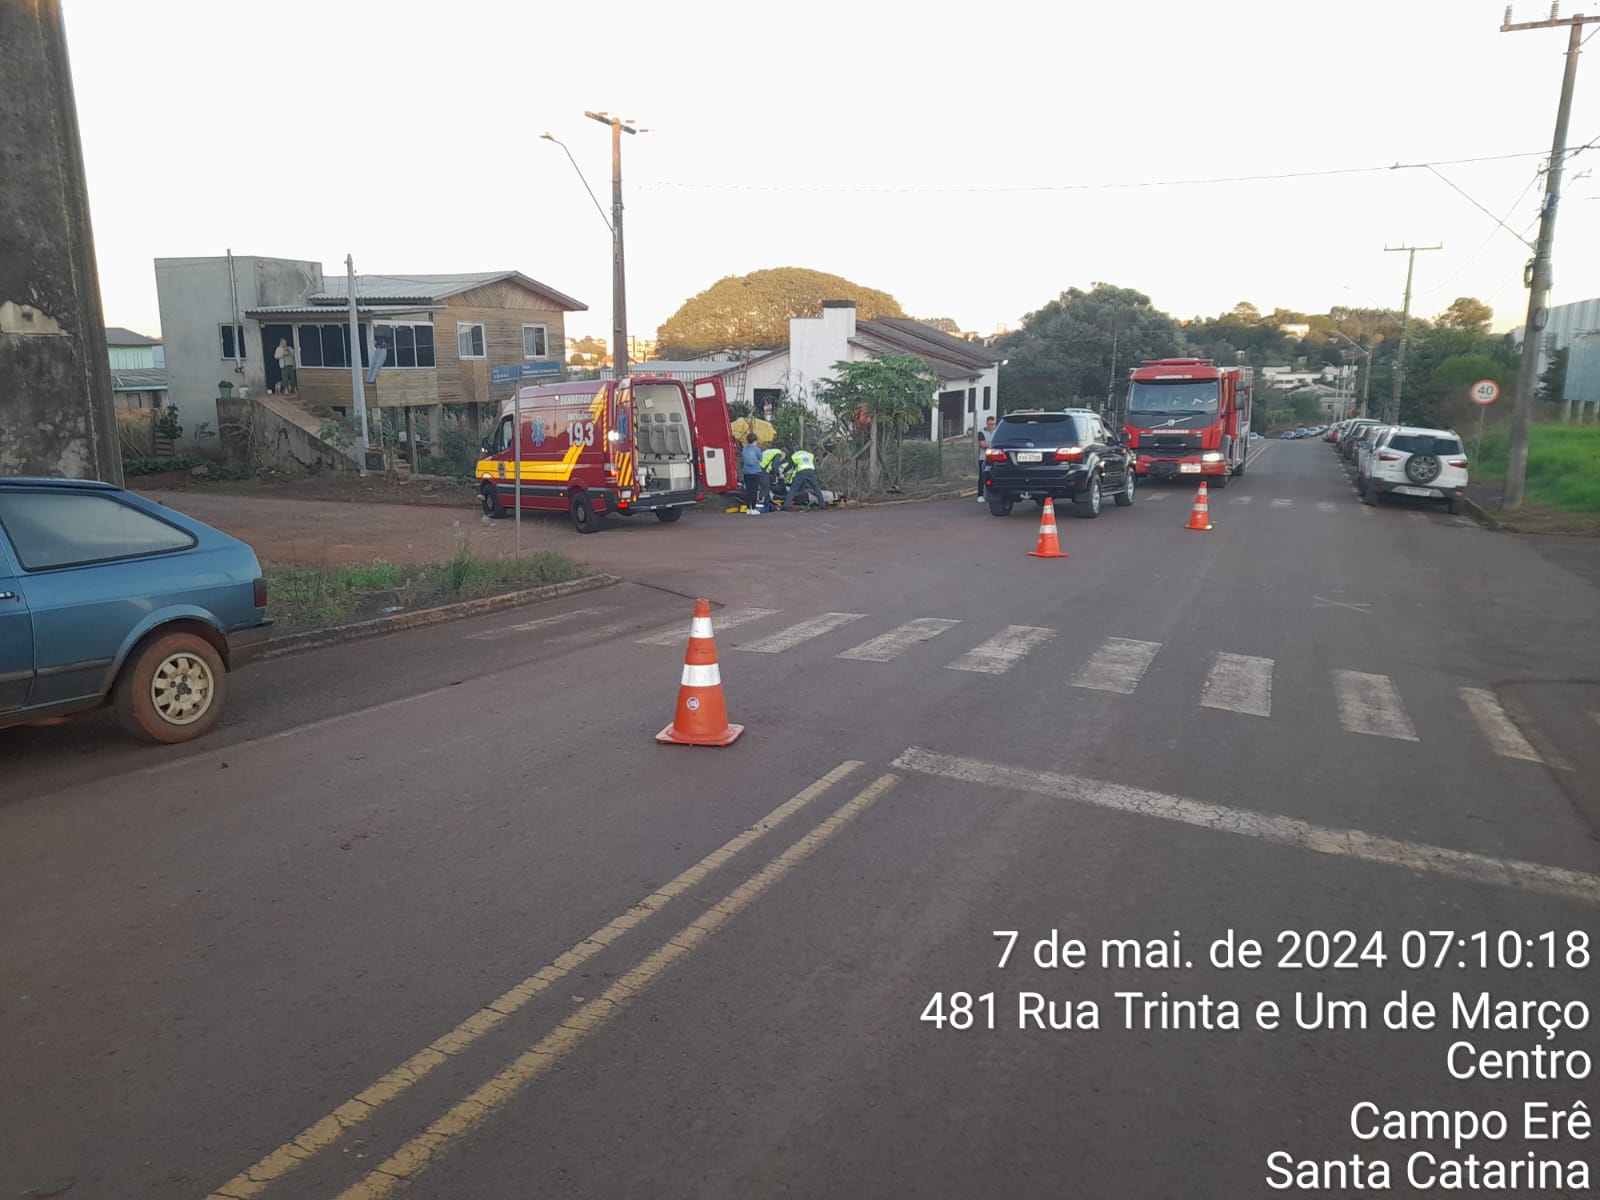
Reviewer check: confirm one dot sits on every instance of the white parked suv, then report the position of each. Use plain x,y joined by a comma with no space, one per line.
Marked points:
1408,461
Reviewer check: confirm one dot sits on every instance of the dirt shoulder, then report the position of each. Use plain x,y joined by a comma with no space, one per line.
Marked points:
1532,518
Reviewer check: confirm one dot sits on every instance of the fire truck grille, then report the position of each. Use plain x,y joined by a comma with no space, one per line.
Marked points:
1167,443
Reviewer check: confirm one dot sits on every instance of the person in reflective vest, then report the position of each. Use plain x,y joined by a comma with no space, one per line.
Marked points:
804,485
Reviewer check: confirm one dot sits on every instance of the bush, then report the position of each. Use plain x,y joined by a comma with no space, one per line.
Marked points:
456,454
158,466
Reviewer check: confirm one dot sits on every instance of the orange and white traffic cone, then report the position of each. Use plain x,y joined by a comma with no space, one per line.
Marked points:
1200,517
1049,544
702,716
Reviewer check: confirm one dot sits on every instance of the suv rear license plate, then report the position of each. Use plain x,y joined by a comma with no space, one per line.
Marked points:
1189,468
1030,456
1411,491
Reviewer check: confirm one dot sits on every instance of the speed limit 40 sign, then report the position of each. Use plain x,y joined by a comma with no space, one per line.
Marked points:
1485,391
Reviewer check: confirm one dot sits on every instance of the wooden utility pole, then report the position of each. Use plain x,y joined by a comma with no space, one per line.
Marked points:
619,285
1405,318
1539,269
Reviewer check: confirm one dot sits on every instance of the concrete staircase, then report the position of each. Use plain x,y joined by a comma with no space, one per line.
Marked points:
300,431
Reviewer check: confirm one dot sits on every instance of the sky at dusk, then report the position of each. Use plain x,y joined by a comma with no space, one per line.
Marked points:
972,161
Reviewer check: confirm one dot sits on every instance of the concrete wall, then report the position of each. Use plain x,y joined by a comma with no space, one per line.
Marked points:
56,415
197,299
816,343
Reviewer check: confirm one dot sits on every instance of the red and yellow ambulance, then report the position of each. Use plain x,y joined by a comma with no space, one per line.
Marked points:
589,448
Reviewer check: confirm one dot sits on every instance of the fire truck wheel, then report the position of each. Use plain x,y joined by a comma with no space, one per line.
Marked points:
584,518
491,502
668,515
1220,481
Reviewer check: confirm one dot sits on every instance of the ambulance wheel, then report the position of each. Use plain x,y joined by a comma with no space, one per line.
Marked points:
668,515
491,502
584,518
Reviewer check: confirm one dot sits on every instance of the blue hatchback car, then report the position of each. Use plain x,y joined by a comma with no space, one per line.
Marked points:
109,598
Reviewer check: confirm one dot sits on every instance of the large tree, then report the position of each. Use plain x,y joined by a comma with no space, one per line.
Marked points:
1062,354
751,312
1466,313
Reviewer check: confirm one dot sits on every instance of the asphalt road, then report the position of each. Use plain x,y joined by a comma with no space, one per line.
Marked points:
434,916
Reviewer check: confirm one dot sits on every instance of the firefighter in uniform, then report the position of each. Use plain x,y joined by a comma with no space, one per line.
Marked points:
802,479
772,464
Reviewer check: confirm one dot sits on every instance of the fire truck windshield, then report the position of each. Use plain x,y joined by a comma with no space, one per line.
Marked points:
1173,398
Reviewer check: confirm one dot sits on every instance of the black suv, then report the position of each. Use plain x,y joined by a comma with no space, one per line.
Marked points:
1069,455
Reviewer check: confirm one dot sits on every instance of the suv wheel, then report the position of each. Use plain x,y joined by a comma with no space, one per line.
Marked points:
1369,496
1456,506
1089,502
1423,468
1125,496
999,504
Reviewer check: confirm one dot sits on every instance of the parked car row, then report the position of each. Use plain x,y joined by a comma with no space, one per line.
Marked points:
1403,460
1303,431
107,598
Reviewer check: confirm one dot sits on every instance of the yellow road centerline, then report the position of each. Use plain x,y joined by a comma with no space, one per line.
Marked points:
324,1132
420,1152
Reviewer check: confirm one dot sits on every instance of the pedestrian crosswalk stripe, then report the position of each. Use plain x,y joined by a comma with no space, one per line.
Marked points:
1326,506
729,619
1281,502
1240,499
786,639
536,623
1003,651
1371,704
897,641
1417,516
1155,497
1117,666
1502,733
1239,683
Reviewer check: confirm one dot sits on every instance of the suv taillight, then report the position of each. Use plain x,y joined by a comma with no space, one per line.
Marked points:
1458,462
1385,456
261,593
995,455
1069,454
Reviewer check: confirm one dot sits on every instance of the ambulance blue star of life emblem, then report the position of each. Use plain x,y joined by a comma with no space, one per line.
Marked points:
538,431
622,424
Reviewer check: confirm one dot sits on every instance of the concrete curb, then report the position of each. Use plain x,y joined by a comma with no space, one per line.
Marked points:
954,495
313,639
1480,514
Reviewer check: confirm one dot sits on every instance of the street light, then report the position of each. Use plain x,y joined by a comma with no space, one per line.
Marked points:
1366,379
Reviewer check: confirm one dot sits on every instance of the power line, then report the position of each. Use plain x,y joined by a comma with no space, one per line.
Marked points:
1522,237
1086,187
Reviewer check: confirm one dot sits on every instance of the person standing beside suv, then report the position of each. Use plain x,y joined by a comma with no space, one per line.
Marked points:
985,435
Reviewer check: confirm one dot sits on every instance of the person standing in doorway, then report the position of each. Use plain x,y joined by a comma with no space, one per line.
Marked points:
290,381
985,436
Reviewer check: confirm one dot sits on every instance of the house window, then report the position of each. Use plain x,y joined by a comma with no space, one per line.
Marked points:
469,339
972,399
535,342
324,346
408,345
232,341
986,404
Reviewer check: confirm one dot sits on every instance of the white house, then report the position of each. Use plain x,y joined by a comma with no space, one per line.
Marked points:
968,372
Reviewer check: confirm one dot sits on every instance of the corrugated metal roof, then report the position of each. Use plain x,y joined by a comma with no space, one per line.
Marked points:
139,379
437,287
116,335
940,366
918,338
340,312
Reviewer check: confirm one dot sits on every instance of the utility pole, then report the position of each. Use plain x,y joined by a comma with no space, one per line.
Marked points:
1405,318
1539,272
619,294
358,393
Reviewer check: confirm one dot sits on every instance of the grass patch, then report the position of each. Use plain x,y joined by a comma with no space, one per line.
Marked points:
312,597
1563,465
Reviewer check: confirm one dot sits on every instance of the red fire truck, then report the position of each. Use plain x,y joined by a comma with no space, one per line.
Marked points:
589,448
1188,416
